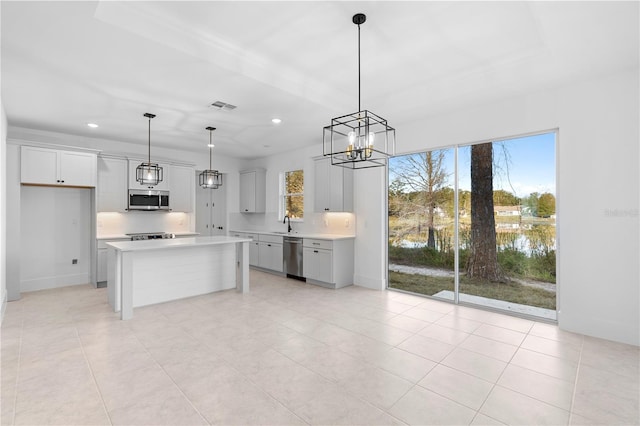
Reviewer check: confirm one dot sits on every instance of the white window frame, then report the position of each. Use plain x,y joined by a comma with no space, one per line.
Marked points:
282,195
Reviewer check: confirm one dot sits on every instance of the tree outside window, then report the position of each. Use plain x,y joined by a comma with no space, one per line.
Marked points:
293,194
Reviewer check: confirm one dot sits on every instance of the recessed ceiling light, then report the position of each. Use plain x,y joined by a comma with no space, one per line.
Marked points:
92,125
276,121
210,145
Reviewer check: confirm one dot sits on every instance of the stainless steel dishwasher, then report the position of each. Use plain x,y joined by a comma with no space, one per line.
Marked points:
293,257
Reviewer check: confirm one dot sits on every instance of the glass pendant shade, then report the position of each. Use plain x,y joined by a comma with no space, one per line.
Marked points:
149,173
211,179
361,139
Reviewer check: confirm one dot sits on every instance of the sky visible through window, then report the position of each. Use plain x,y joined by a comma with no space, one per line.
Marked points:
523,165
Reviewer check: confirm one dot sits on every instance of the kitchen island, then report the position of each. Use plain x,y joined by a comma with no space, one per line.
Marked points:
142,273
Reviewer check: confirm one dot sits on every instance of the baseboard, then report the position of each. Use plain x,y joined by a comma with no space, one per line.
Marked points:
370,282
53,282
3,307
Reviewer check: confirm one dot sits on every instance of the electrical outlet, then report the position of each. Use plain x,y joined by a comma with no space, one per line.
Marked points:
326,223
74,261
346,223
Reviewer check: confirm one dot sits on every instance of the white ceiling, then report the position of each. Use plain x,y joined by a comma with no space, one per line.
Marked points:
65,64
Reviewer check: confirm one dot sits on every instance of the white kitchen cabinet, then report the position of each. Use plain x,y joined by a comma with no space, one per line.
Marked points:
252,191
328,263
112,185
333,188
181,189
161,186
318,264
43,166
270,252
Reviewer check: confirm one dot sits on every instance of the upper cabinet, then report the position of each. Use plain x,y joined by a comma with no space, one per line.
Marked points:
112,184
134,184
181,189
333,189
43,166
252,191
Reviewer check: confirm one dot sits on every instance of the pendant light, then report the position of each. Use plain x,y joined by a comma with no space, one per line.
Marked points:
149,173
210,178
361,139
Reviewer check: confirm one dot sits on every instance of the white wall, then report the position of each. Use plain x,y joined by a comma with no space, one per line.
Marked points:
12,175
331,223
372,213
55,228
3,212
597,191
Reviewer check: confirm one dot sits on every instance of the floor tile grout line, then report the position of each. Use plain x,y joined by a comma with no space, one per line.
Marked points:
235,369
336,383
15,397
167,374
93,377
575,383
521,393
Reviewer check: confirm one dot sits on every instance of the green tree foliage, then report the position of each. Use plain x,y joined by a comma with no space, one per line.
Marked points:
505,198
546,205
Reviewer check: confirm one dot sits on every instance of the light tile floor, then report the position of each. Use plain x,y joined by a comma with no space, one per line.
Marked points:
293,353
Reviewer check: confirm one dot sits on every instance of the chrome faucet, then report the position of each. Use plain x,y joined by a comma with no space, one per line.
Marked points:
289,229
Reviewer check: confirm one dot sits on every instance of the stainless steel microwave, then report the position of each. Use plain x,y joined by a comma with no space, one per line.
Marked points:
148,199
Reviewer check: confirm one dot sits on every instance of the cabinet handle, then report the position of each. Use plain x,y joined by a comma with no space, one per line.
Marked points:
268,245
326,209
316,244
315,251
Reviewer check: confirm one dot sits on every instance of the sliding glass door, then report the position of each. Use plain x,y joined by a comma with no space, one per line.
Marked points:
491,207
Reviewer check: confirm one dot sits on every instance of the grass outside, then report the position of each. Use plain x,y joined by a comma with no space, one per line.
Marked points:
510,292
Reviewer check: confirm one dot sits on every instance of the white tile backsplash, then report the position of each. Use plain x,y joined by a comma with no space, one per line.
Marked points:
139,222
323,223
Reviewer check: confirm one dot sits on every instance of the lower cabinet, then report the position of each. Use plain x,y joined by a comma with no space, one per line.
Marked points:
328,263
318,264
270,253
254,253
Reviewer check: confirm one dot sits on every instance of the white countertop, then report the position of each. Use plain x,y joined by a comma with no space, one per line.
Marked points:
128,237
174,243
331,237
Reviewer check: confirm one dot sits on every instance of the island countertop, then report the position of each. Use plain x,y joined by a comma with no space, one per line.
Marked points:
159,244
315,236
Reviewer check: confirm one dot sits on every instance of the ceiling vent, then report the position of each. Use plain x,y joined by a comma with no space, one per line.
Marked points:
222,106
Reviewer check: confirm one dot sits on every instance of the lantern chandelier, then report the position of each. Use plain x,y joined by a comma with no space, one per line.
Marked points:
361,139
210,178
149,173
